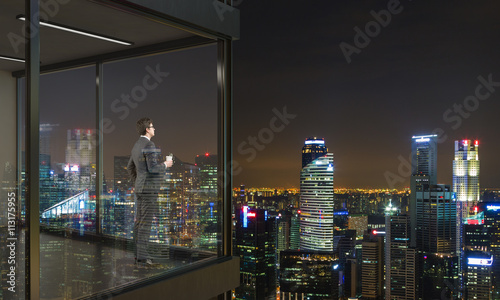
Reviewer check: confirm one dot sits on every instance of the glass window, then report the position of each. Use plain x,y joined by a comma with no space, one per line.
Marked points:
173,219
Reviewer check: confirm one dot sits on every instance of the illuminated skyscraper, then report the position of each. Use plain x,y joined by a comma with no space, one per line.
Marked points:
400,259
309,275
423,172
316,198
45,133
80,148
207,205
466,187
478,275
295,231
313,148
424,156
436,219
121,179
466,174
492,223
372,270
208,172
255,244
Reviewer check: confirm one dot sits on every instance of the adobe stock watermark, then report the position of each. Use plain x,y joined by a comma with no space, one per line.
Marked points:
139,93
48,9
255,144
372,29
222,8
455,117
11,242
265,135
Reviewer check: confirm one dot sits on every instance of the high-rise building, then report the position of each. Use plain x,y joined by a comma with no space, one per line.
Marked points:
255,245
476,237
436,219
358,223
400,259
179,201
372,268
423,171
346,248
313,148
466,187
466,176
295,231
352,284
308,275
424,156
436,242
283,231
208,171
316,198
492,223
80,148
438,276
208,206
478,275
121,179
45,133
80,169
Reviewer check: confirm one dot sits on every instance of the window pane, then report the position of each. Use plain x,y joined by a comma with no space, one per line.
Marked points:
68,266
173,212
11,198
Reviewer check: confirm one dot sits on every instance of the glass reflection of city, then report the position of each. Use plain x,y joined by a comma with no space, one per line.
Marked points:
184,230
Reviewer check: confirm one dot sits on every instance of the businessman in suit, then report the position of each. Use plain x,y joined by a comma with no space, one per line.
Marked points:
147,169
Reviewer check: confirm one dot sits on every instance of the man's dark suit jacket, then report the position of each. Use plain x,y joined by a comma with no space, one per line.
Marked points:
146,167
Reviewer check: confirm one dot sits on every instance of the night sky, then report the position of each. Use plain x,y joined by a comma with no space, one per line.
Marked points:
406,80
426,59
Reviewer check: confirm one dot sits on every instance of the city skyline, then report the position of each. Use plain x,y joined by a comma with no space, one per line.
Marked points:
394,176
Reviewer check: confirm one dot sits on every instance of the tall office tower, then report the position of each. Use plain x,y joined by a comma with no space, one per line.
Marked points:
345,248
466,187
436,219
316,197
295,230
492,223
438,276
45,132
372,268
352,273
80,147
208,206
423,171
358,223
313,148
121,179
466,179
208,171
80,159
255,245
179,199
283,231
476,237
309,275
400,259
478,275
424,156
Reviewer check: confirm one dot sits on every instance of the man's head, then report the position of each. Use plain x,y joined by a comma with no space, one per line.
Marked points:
145,127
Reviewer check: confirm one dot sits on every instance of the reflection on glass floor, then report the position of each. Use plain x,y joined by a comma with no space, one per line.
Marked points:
71,268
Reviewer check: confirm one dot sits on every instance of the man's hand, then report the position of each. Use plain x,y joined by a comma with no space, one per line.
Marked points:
168,163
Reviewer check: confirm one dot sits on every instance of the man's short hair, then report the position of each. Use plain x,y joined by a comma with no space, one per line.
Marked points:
142,124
